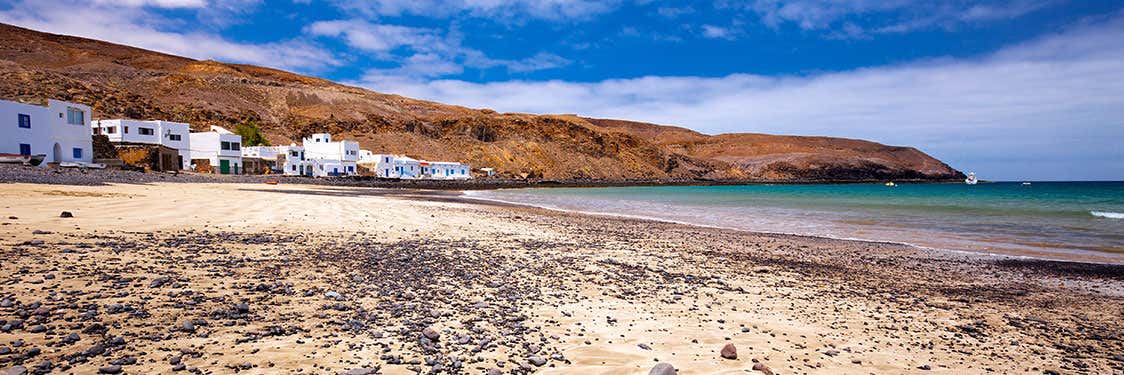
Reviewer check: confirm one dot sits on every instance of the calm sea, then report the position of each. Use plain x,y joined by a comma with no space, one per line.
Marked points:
1062,220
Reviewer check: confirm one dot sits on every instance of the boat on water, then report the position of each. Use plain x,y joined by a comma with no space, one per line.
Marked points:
1026,184
34,160
891,183
971,180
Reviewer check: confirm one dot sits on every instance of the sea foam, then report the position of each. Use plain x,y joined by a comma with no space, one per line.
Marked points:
1110,215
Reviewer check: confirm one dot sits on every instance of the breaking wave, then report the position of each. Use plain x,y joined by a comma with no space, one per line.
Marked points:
1110,215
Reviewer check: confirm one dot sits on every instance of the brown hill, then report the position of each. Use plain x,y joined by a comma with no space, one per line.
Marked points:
122,81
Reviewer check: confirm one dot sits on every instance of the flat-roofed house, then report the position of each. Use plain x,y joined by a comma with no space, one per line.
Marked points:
59,130
217,151
333,158
174,136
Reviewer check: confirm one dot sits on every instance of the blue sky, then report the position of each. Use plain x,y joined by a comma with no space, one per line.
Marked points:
1014,90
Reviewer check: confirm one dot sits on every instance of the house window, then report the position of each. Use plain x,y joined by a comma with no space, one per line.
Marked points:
25,149
110,130
294,168
75,116
25,121
146,131
350,169
235,146
226,146
77,153
175,137
126,130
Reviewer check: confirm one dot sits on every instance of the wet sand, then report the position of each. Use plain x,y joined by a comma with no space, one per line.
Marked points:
255,278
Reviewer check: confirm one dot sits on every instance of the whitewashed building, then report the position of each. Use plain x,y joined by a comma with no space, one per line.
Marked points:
288,160
59,130
445,170
220,147
381,164
328,158
407,167
174,135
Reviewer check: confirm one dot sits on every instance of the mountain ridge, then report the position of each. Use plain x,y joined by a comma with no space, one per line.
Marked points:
122,81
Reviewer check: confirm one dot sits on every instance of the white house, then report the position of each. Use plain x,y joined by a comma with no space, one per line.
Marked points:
407,167
381,164
445,170
221,148
287,160
59,130
174,135
332,158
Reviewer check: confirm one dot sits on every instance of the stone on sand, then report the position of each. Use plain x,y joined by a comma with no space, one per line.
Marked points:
729,352
663,369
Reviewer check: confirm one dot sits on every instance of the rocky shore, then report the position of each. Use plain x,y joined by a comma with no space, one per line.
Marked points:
317,279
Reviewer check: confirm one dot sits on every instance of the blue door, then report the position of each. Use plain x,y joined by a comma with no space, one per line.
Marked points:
25,149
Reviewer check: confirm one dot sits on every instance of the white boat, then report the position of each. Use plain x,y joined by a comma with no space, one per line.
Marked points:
23,159
891,183
76,164
971,180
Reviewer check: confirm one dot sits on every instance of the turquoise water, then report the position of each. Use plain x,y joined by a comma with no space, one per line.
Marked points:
1066,220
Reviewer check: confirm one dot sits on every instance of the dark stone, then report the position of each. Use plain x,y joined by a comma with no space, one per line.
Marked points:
111,369
66,214
663,369
17,370
762,368
431,334
159,282
537,361
729,352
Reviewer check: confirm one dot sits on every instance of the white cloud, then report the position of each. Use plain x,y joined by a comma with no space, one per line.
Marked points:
508,9
885,16
421,52
1050,108
155,3
134,26
715,32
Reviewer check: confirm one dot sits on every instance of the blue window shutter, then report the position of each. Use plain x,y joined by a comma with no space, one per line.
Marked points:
77,153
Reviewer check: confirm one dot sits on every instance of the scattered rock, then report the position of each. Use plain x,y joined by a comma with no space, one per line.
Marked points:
729,352
663,369
111,369
431,334
65,214
762,368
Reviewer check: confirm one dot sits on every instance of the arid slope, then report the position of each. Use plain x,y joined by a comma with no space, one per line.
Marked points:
121,81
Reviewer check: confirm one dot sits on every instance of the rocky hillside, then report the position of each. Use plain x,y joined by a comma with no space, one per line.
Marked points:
121,81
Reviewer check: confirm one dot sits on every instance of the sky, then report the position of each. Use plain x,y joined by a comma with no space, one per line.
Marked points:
1011,90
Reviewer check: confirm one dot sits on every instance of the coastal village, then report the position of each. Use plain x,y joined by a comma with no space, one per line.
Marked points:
63,134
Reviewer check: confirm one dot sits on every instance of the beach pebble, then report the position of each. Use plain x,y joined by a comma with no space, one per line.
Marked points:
159,282
16,370
431,334
360,371
111,369
729,352
66,214
537,361
831,352
663,369
760,367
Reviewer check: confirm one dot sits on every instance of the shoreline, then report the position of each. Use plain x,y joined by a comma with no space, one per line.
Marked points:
340,278
1073,258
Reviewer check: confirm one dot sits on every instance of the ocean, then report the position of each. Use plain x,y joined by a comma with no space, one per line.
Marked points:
1055,220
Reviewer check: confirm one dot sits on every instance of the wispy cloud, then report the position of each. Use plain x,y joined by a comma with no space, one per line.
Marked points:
497,9
1031,109
861,18
133,25
422,52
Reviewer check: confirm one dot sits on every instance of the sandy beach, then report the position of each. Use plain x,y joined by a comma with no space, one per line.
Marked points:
257,278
